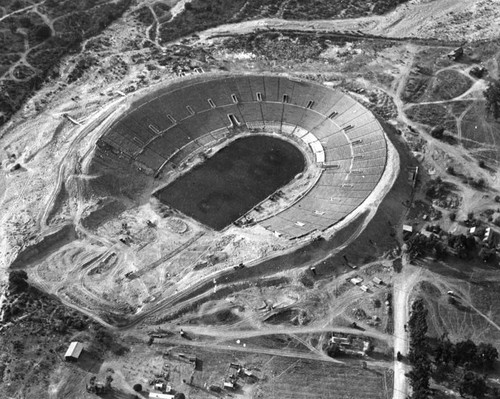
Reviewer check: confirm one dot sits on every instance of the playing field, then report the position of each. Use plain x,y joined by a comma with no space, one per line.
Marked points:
234,180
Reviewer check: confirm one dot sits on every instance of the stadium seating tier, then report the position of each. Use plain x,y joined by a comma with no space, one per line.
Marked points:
168,124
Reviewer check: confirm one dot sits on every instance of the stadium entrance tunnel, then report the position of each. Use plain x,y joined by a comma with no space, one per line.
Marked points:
234,180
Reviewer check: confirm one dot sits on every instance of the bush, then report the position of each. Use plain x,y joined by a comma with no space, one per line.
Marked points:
473,385
18,281
437,132
43,33
137,387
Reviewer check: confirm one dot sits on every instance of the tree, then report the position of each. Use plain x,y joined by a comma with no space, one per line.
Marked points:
485,254
445,349
473,385
465,351
437,132
418,324
480,182
492,96
109,380
486,356
18,281
137,387
419,375
333,350
43,33
179,395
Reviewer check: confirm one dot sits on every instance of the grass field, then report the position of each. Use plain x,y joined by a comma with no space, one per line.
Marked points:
476,306
276,377
447,84
304,379
432,115
427,62
234,180
480,130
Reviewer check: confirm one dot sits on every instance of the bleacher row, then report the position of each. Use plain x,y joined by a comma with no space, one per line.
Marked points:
164,127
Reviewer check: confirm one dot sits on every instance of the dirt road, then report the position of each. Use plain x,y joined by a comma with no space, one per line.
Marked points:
403,284
240,334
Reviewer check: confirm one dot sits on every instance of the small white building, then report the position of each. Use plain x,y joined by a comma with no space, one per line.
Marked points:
74,351
407,228
378,281
155,395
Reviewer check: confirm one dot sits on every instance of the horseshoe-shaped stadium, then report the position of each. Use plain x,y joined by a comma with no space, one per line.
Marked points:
343,138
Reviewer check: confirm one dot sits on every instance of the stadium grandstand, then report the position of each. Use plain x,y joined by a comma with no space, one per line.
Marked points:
345,140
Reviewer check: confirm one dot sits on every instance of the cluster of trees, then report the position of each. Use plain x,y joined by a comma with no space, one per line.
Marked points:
420,374
492,96
469,357
420,245
464,246
438,188
466,353
458,363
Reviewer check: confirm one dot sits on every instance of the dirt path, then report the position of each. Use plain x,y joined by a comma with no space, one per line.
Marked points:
483,315
85,130
264,351
424,20
240,334
459,121
403,284
21,10
178,8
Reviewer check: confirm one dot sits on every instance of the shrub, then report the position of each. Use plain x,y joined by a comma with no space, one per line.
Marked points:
18,281
437,132
137,387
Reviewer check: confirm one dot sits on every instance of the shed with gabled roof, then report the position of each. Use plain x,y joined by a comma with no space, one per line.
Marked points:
74,351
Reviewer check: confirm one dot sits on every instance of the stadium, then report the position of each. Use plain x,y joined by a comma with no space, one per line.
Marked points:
339,139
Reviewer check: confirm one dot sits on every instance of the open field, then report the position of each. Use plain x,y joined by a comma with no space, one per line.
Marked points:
479,132
300,380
